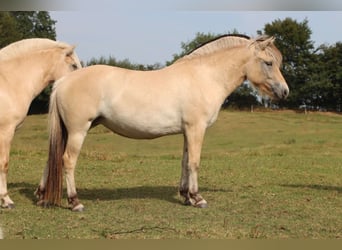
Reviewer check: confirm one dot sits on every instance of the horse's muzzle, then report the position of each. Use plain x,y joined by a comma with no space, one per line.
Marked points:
280,91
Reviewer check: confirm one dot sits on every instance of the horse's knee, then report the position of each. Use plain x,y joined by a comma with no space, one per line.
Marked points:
4,164
67,162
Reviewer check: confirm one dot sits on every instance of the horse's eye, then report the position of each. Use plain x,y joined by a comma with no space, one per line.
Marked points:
74,66
269,63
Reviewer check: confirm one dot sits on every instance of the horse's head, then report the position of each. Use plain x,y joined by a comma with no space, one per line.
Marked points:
66,61
263,69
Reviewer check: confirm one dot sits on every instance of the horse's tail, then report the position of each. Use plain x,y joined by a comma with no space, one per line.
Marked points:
57,142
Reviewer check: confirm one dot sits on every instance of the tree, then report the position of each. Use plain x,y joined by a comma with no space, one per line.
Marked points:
122,63
8,29
293,39
325,88
243,97
333,66
35,24
17,25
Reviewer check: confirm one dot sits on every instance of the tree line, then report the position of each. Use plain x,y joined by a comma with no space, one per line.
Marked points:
313,73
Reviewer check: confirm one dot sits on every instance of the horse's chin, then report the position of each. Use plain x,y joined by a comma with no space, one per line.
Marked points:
264,91
274,92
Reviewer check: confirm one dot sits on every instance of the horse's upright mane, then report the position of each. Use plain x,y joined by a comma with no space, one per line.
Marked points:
231,41
218,43
27,45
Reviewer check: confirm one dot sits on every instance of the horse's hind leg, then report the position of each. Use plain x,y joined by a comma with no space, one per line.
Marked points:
41,188
73,148
5,144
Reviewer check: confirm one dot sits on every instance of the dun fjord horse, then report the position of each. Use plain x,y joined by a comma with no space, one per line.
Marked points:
182,98
26,68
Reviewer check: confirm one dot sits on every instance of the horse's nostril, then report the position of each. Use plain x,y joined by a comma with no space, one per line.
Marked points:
280,91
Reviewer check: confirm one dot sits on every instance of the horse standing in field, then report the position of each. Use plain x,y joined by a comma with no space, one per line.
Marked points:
26,68
184,97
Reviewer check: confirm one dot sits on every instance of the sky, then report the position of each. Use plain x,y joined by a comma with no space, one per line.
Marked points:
148,33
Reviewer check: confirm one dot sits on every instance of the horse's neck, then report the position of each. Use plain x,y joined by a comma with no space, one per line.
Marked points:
34,73
227,69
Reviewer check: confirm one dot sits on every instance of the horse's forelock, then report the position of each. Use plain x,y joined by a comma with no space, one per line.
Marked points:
274,52
270,50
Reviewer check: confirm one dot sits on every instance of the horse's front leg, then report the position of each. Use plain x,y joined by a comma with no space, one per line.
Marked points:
5,200
190,165
5,144
184,181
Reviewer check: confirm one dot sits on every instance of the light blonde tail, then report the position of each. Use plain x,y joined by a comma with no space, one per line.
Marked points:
57,142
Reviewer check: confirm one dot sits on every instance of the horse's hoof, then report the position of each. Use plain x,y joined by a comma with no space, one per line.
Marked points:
8,206
198,201
201,205
11,206
78,208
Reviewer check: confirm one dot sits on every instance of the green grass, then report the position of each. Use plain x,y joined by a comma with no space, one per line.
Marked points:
266,175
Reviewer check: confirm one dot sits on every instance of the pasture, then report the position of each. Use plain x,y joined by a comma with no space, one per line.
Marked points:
269,175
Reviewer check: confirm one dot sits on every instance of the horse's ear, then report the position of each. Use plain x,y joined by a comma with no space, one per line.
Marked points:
264,44
70,50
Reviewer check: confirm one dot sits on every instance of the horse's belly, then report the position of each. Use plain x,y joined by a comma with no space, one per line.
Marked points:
142,128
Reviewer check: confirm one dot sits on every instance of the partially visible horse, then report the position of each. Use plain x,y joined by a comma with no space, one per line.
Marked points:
184,97
26,68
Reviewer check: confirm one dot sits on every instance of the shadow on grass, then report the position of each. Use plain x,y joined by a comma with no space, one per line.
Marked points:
314,186
167,193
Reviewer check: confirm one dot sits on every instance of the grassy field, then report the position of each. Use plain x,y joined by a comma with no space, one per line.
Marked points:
269,175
